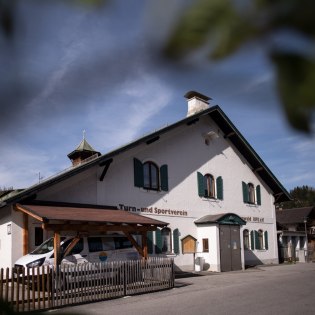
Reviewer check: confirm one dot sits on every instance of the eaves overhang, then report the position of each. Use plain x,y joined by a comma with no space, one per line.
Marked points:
216,114
257,164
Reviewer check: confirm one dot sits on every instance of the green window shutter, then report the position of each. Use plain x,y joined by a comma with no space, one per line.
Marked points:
138,173
258,196
176,241
266,239
150,242
252,240
245,192
164,177
220,188
257,245
201,187
158,242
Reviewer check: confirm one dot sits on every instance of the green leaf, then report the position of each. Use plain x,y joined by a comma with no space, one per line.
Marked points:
193,28
296,81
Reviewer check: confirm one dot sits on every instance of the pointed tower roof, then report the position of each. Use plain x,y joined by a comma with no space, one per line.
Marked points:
83,151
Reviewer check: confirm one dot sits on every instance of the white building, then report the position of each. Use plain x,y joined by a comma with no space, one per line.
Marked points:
199,174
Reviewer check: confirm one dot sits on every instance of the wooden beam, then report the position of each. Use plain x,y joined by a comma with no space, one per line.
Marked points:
108,162
71,245
258,169
25,234
145,245
57,256
96,228
230,134
20,208
134,243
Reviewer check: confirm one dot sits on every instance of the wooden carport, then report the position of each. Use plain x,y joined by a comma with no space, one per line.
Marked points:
87,220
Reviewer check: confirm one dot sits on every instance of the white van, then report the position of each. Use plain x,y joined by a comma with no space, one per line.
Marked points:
89,249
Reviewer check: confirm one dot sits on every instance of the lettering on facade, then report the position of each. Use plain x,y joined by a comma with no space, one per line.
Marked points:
153,210
254,219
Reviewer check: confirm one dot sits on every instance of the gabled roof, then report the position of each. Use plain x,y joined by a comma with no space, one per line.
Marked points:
295,215
231,133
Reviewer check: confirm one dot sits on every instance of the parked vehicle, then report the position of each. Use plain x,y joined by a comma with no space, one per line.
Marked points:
89,249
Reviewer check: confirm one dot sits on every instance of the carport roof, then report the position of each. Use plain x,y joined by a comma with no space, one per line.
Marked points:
68,218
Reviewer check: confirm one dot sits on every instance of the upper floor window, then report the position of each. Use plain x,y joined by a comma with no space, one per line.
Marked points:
149,176
209,187
251,194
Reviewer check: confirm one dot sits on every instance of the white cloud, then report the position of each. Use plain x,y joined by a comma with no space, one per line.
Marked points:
131,109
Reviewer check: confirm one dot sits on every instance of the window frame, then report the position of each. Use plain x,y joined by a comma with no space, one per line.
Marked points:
246,239
261,239
151,166
166,235
209,186
205,245
251,193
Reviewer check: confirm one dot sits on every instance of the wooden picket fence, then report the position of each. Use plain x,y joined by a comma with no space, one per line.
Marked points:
45,287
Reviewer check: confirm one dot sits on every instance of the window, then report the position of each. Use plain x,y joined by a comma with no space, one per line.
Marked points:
246,239
95,244
260,238
39,236
209,187
205,245
166,240
122,242
149,176
251,194
78,247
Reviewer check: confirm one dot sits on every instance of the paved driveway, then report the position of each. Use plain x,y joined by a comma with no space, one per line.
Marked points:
279,289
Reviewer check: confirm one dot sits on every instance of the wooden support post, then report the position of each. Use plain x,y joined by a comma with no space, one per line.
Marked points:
25,234
145,245
57,257
134,243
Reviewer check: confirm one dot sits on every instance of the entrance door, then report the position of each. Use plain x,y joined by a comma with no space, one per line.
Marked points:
230,250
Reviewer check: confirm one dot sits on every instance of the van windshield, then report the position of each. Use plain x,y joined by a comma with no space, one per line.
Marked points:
46,247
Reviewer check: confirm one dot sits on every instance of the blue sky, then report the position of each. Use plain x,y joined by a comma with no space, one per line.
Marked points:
69,69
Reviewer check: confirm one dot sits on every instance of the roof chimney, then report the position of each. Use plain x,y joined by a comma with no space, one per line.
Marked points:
196,102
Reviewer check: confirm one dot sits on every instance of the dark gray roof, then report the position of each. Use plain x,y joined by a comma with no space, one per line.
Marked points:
218,116
295,215
228,218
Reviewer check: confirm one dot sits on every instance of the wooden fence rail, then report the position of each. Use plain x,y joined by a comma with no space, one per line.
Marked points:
46,287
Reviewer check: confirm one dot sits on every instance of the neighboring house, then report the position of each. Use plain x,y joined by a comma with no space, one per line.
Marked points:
199,175
296,233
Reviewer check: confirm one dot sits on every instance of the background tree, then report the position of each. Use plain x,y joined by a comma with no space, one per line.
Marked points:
302,197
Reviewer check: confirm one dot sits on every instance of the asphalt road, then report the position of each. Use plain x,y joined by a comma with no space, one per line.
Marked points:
278,289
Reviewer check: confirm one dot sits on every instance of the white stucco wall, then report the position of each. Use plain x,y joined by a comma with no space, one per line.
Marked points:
184,151
5,238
